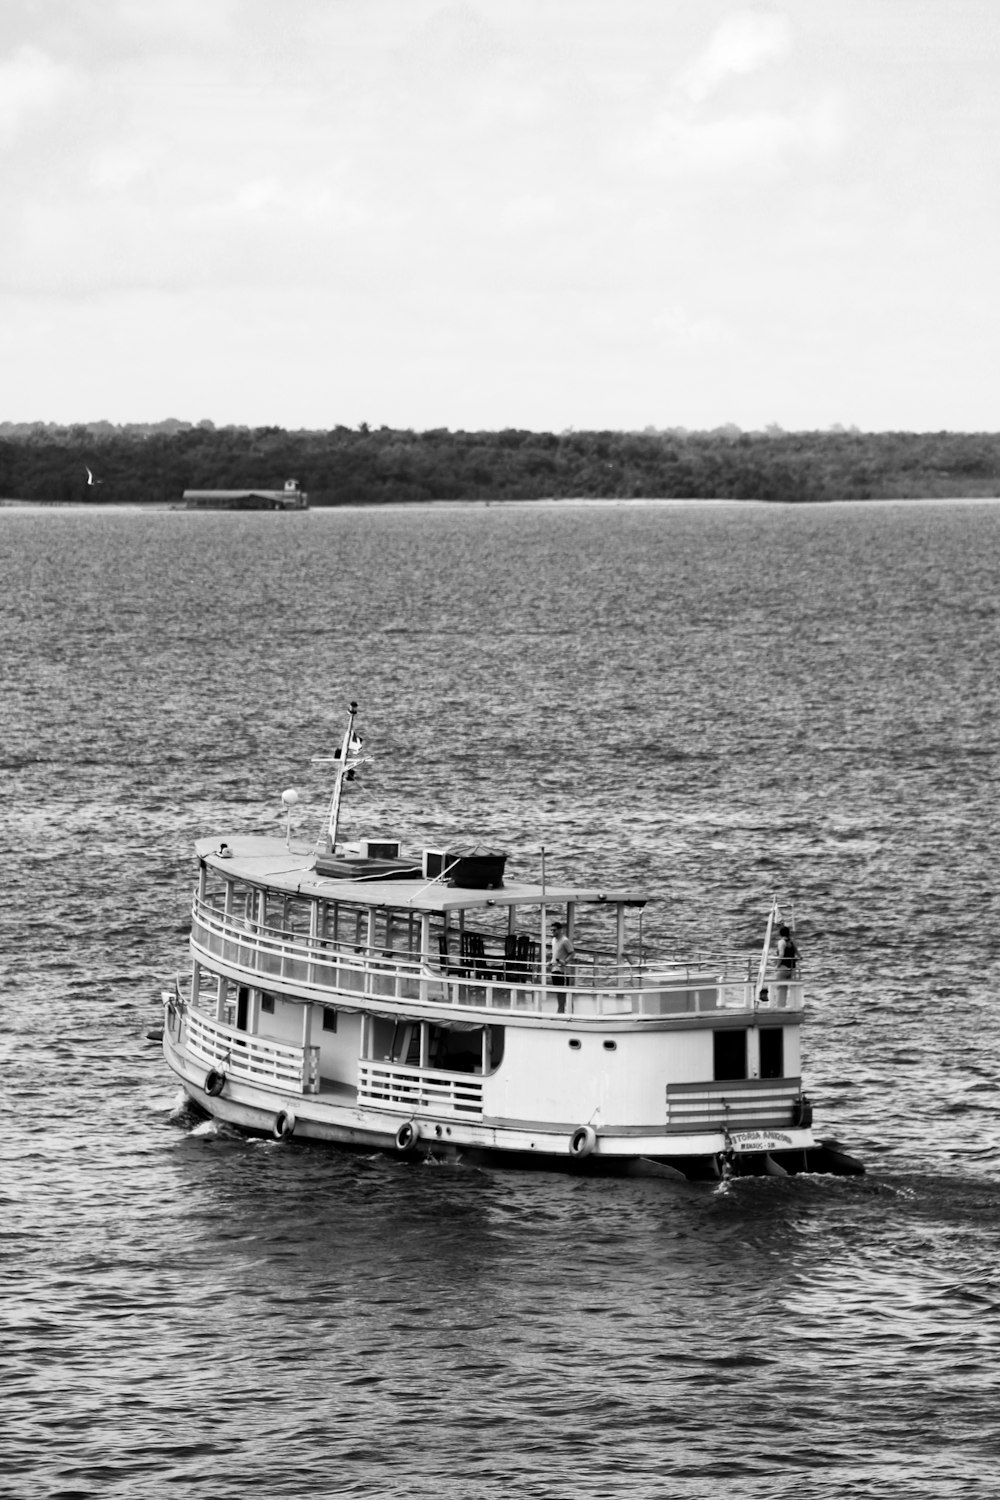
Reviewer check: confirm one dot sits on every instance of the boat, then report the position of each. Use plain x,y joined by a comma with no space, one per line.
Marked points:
368,997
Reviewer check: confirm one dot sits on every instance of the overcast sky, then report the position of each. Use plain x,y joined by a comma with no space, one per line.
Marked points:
501,213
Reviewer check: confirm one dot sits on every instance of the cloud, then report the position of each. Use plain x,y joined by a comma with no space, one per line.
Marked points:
700,132
177,20
680,330
743,43
116,168
31,84
759,144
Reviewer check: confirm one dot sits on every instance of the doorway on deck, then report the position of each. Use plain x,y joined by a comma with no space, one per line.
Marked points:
730,1048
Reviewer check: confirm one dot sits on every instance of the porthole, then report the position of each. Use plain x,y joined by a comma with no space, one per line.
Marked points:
574,1042
610,1046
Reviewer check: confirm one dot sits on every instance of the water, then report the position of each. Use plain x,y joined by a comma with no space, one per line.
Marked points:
716,702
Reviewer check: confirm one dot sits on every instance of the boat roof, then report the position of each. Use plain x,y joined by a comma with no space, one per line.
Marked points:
291,868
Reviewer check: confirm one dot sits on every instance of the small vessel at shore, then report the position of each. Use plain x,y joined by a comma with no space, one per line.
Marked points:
367,997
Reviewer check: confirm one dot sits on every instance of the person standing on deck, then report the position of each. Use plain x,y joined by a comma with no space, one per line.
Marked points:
788,957
562,954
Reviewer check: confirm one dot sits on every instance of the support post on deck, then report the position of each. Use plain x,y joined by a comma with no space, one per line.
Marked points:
314,927
425,953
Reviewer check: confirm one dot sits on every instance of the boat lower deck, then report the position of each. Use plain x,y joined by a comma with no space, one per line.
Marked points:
332,1114
334,1088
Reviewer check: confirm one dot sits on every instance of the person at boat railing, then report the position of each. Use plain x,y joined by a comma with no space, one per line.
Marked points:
562,956
788,959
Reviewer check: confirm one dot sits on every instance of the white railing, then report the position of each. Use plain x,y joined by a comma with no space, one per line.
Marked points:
390,1086
324,970
254,1059
738,1104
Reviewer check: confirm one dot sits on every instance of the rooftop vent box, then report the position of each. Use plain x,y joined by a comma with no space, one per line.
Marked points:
477,870
379,848
435,862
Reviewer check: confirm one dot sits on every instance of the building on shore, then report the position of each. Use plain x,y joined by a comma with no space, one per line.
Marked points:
289,498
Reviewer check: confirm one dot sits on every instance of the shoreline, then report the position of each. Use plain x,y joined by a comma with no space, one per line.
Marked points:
168,508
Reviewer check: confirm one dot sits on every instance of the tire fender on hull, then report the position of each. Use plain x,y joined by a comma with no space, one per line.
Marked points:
215,1082
284,1124
582,1141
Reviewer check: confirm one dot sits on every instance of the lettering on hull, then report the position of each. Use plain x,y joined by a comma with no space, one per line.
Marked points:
759,1140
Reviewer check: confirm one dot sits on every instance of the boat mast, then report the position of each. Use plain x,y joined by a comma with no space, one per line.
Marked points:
344,764
543,950
762,971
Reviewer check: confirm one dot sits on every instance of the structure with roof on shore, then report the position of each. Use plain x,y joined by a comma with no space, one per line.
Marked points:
289,498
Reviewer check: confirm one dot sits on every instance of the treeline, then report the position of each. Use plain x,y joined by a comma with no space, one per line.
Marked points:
346,466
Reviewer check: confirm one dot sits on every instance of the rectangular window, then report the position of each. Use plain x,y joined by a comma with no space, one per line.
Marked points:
267,1002
329,1018
730,1054
772,1052
456,1051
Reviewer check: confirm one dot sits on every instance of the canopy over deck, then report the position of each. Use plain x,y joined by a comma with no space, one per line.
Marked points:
271,862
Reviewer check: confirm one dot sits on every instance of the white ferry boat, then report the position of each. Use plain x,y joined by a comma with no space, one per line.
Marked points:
372,998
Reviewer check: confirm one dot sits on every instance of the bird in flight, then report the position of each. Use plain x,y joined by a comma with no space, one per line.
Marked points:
91,479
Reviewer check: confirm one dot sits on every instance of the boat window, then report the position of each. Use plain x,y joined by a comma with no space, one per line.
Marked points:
772,1061
494,1047
456,1051
381,1038
267,1003
730,1054
610,1046
329,1018
405,1046
574,1042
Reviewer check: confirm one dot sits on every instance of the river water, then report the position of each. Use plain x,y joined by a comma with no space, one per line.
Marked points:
716,702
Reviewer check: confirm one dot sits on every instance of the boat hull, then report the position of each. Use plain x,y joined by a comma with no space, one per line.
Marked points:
318,1120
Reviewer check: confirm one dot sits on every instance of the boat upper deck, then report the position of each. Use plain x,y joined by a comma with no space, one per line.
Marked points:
291,870
273,919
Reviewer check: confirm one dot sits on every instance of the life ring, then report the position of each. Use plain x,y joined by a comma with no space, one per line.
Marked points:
284,1124
215,1082
407,1136
582,1141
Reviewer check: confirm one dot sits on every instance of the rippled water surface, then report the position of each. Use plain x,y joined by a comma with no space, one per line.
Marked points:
716,702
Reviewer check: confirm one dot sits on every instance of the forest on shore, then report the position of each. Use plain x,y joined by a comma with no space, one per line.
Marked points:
154,463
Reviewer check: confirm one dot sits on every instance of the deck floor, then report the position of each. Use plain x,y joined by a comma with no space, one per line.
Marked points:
332,1088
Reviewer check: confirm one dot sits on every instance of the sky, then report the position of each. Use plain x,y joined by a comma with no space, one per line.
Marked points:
545,214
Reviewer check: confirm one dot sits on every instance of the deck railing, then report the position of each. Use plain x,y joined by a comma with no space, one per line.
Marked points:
324,970
740,1104
392,1086
254,1059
